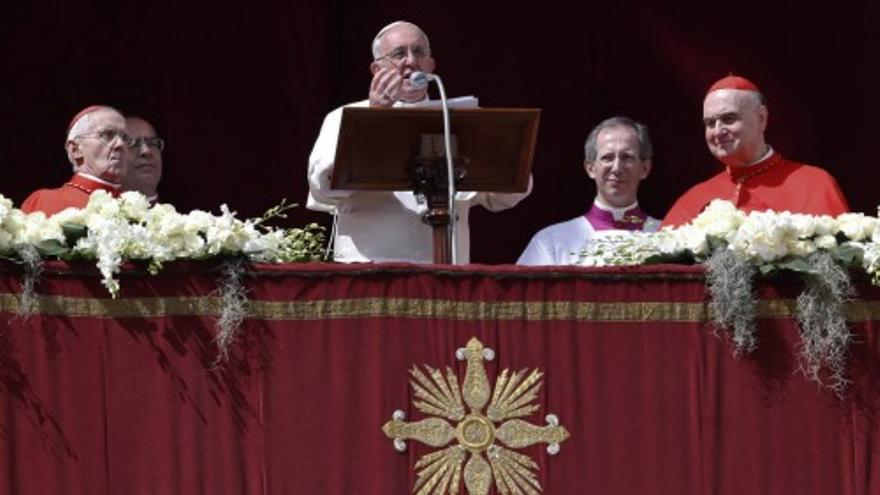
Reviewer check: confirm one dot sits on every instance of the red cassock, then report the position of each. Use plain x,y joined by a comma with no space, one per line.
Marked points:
74,193
772,184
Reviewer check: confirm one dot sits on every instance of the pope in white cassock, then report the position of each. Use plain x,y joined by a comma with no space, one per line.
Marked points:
387,225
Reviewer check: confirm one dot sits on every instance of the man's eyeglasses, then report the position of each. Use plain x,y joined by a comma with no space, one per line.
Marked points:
150,141
109,135
399,54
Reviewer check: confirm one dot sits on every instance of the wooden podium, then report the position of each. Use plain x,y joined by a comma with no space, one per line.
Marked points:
398,149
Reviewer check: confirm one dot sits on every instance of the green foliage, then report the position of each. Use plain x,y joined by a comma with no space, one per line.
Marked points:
848,255
715,243
305,244
790,263
278,211
52,248
845,255
74,232
683,257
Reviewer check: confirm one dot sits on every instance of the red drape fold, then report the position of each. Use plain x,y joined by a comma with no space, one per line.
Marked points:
102,396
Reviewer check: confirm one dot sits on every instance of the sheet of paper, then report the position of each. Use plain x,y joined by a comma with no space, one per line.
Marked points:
469,101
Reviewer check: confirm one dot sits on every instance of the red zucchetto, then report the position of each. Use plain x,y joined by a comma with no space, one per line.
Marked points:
82,113
733,82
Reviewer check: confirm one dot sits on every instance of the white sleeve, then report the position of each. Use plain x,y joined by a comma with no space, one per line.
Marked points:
321,196
536,253
494,201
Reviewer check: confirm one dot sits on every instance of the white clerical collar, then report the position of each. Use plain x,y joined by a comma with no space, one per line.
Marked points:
98,179
617,213
766,155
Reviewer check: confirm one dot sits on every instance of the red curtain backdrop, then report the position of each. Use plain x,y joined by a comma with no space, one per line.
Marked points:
102,396
239,93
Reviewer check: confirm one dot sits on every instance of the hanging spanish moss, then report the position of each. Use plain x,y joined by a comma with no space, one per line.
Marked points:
234,307
30,258
825,336
733,306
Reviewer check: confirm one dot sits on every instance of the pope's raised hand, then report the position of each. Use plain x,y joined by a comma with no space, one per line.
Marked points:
385,87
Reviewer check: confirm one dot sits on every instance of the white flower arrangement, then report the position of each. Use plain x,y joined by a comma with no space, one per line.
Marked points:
732,243
767,239
112,230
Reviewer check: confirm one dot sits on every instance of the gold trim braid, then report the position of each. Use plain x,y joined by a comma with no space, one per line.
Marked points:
374,307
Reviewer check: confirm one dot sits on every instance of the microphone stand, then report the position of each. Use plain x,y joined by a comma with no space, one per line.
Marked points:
421,79
450,170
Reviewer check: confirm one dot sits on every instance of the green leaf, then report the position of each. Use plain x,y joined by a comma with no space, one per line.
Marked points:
51,247
795,264
73,232
767,269
715,243
847,254
684,257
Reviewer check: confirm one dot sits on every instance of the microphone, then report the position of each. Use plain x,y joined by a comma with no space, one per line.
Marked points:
420,79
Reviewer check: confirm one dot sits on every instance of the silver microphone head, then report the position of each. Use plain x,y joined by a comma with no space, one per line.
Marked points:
418,79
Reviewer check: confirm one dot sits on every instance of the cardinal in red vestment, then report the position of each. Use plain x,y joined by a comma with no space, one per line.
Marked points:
96,145
755,177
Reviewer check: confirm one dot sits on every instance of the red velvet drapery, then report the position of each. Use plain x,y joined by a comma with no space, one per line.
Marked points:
102,396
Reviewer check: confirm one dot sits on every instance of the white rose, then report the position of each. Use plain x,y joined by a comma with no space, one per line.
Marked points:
69,215
801,247
134,205
38,229
857,226
804,226
173,235
692,239
825,225
826,242
16,223
869,226
199,220
5,207
102,203
763,236
719,219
